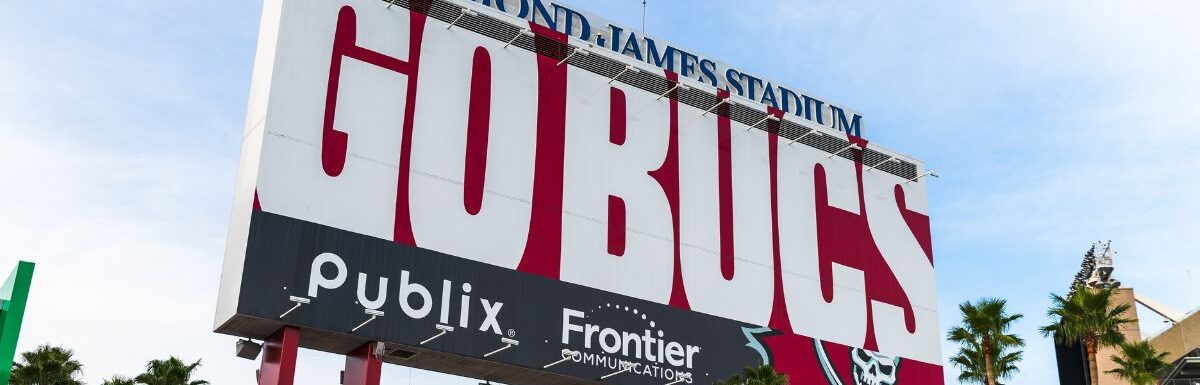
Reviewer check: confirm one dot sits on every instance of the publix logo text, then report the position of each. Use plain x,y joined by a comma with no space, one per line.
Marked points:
415,299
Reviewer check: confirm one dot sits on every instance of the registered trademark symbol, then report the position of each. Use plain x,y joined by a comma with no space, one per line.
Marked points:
512,333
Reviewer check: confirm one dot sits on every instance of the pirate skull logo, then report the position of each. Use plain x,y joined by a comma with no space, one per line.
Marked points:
866,367
872,368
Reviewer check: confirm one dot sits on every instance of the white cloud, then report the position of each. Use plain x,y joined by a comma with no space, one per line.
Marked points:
125,248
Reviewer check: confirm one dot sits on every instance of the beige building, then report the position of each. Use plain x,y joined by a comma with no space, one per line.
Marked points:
1181,341
1182,344
1132,331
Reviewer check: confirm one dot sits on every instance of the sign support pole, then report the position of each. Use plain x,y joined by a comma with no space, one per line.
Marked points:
279,357
363,367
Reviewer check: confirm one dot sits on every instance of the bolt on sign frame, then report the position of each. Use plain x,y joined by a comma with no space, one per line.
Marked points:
13,296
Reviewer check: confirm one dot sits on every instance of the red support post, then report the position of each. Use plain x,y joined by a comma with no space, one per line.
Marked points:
279,357
362,366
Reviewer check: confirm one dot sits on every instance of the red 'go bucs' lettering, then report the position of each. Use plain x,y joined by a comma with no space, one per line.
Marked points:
542,250
725,216
333,142
472,168
596,169
504,156
839,313
355,133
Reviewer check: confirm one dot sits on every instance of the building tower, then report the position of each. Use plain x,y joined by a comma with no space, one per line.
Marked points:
1096,272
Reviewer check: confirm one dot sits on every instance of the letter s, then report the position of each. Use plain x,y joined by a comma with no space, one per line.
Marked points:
884,195
814,183
734,79
708,70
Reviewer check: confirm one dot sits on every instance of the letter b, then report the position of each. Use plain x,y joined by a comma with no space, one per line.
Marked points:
407,289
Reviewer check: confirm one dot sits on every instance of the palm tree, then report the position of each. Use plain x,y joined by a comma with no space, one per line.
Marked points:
971,362
171,371
1087,317
1139,363
119,380
988,352
756,375
47,365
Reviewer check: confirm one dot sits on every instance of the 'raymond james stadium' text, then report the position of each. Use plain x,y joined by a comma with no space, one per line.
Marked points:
687,63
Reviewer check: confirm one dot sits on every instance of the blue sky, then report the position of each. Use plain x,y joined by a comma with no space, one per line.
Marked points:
1053,125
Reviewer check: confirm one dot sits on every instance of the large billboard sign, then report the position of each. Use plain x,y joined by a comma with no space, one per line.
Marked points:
490,197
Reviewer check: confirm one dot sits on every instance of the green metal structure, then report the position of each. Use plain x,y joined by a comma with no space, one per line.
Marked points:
13,296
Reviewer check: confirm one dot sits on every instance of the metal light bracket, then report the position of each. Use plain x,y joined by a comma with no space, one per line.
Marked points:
927,173
465,12
628,68
299,302
681,378
523,32
765,118
371,312
889,159
723,101
577,51
677,86
806,134
625,368
443,330
508,343
567,354
839,152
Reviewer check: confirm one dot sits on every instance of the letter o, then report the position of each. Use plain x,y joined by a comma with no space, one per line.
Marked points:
616,340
